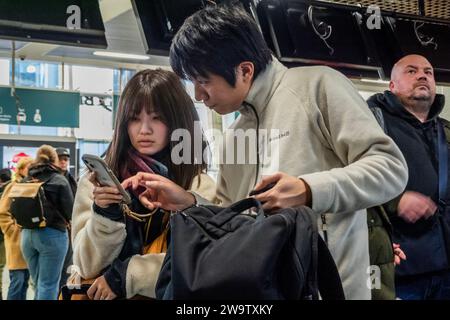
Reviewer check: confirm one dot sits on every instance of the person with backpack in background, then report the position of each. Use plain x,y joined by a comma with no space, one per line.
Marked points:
64,165
123,246
5,179
409,113
44,247
22,168
330,154
17,267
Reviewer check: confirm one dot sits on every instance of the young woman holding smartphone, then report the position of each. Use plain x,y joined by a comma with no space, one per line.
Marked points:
111,240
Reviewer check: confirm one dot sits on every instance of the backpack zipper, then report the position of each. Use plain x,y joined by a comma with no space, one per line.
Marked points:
324,228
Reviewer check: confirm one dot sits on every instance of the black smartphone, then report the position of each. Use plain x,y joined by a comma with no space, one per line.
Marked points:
268,187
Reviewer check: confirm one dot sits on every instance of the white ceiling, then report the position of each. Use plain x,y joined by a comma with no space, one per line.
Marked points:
122,35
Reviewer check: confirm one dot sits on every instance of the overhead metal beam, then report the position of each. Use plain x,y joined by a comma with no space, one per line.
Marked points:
113,8
421,5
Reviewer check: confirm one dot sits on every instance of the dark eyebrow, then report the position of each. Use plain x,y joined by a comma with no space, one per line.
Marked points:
416,68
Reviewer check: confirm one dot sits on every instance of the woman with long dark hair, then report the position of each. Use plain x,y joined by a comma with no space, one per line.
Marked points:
123,246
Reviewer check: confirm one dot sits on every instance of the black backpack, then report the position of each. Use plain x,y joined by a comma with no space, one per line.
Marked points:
29,203
223,253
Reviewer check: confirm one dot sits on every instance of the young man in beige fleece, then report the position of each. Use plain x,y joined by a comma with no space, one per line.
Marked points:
331,155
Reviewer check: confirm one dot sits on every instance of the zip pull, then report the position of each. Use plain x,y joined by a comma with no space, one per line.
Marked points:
183,213
258,162
324,227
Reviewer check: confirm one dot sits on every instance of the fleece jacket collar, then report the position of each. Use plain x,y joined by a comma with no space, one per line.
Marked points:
263,87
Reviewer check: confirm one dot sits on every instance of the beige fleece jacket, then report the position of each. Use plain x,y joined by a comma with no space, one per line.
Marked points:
325,134
97,241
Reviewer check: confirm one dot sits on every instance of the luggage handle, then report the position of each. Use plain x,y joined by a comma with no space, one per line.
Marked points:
225,215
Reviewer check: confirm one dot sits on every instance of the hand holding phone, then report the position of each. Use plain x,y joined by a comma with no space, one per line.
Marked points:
268,187
104,174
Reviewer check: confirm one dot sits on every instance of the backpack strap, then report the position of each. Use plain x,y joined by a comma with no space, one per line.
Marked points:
446,125
378,113
325,277
442,147
329,281
237,208
442,150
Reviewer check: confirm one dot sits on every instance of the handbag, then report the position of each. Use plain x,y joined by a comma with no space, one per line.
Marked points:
226,253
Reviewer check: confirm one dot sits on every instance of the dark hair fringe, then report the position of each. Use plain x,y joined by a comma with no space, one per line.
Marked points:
215,40
160,91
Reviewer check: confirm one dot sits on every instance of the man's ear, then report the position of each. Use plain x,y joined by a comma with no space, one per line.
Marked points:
391,85
247,70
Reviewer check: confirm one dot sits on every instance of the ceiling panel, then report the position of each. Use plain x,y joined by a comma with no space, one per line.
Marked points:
7,44
433,8
122,35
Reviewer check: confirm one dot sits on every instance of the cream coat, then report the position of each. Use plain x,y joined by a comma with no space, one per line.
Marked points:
97,241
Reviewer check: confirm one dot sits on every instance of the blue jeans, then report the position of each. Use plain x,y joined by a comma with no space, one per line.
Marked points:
18,284
44,251
433,286
68,261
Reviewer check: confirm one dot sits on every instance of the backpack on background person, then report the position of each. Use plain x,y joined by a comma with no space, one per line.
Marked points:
29,203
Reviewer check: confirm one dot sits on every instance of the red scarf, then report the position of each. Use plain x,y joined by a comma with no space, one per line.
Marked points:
137,162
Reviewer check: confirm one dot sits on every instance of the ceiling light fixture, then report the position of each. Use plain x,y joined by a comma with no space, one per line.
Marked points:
379,81
119,55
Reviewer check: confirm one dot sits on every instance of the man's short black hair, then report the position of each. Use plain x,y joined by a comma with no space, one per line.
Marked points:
5,175
216,40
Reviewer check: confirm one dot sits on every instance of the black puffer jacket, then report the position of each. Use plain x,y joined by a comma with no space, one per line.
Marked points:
423,241
72,182
57,191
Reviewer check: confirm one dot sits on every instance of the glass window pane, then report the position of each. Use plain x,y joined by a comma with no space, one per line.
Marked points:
92,80
37,74
126,76
4,72
95,123
91,147
33,130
